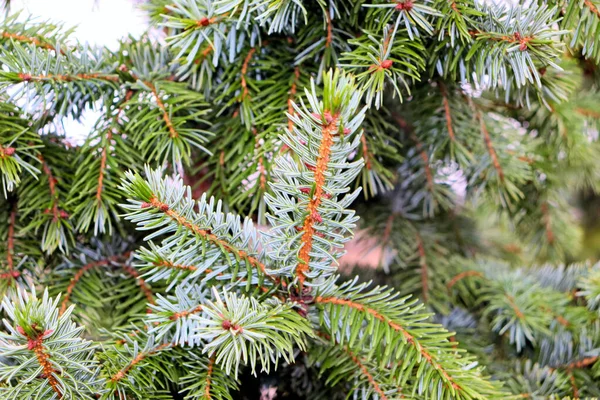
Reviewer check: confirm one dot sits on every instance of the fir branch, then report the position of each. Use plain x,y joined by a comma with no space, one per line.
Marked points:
206,381
338,353
386,315
231,325
323,139
366,372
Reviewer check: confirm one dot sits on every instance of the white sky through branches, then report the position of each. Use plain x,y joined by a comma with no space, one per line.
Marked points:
97,22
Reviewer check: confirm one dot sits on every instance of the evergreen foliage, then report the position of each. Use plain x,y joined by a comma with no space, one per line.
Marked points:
454,136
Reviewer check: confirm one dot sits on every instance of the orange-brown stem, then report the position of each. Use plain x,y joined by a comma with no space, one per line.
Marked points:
513,305
245,72
586,362
192,268
429,358
490,148
573,385
37,346
592,7
68,78
547,223
262,172
360,365
28,39
447,112
329,37
514,38
388,228
366,372
56,212
460,276
183,314
163,109
168,264
328,131
139,358
209,372
588,113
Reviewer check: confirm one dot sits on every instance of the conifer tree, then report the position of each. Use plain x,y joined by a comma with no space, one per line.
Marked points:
190,245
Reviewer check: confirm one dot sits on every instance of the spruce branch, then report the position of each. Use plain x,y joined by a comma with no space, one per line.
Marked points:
206,381
18,144
43,34
39,341
387,315
239,329
166,205
173,121
323,139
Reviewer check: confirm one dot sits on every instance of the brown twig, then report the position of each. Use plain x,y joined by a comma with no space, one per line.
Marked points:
460,276
490,147
290,101
36,344
28,39
547,223
165,114
140,357
211,363
245,72
592,7
447,112
308,231
68,78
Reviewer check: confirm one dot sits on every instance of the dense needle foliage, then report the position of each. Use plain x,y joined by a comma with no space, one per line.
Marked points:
189,246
